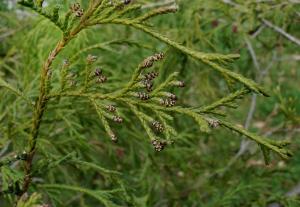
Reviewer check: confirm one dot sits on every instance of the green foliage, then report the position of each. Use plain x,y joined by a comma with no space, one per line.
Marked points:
68,85
33,201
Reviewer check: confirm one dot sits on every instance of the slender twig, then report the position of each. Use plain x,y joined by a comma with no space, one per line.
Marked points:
281,31
15,91
252,53
261,74
43,99
260,29
159,4
270,24
38,114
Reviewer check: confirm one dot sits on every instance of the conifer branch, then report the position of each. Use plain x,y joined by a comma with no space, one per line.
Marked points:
277,147
140,94
143,119
204,57
226,101
250,84
17,92
156,12
102,196
54,17
103,45
96,167
195,54
41,104
10,160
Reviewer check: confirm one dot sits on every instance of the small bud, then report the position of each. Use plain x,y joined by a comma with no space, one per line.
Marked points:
111,108
75,7
79,13
155,142
117,119
148,62
151,75
213,123
98,72
143,96
159,148
168,102
148,85
158,145
66,62
172,96
180,84
91,58
158,126
113,137
158,56
102,79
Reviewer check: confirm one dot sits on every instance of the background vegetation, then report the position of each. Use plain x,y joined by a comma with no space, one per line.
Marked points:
200,169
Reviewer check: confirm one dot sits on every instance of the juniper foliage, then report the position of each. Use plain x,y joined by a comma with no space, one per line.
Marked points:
76,94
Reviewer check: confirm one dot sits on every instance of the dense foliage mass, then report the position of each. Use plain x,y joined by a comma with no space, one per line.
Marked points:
149,103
